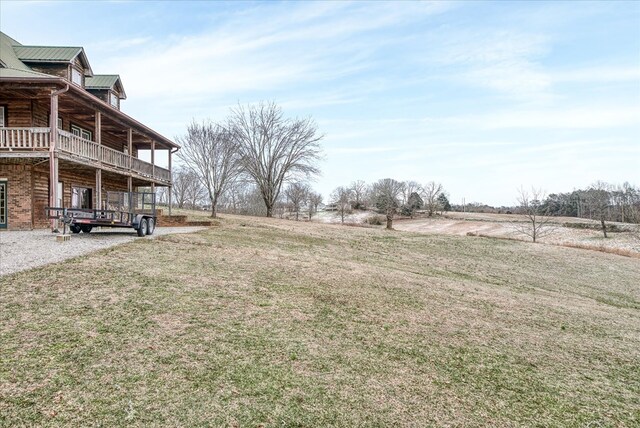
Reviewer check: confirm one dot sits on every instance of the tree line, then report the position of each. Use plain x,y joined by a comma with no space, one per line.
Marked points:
255,147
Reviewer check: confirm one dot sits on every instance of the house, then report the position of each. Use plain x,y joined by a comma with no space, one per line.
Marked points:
63,140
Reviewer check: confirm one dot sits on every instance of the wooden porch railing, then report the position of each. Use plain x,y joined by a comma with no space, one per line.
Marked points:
114,157
142,167
162,174
21,139
39,139
77,146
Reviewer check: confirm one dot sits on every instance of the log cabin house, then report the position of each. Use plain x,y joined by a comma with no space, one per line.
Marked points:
63,140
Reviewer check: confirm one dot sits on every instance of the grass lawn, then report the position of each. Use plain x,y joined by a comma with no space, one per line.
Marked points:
277,323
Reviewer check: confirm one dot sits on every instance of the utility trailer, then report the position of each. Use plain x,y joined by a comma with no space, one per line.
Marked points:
122,209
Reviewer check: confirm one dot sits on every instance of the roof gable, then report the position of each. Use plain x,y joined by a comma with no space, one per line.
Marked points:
105,82
52,54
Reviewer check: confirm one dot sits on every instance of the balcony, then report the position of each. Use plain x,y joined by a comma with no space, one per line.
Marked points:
27,142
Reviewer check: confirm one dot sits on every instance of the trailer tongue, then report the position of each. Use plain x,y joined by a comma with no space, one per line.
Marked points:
136,210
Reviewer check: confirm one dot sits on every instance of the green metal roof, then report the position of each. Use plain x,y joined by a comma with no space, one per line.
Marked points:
15,73
46,53
8,57
105,81
101,81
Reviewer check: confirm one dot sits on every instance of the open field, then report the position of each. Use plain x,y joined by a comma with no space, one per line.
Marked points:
502,226
280,323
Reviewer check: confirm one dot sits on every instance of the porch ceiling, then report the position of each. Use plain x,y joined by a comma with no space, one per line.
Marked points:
77,101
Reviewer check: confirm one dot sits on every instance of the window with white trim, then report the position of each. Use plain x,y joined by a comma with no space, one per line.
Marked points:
2,112
76,76
113,99
80,132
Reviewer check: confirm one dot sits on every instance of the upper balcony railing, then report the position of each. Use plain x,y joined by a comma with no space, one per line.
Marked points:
39,139
19,139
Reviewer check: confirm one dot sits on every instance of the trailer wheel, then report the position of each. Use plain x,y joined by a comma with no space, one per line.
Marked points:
86,228
142,227
151,226
75,228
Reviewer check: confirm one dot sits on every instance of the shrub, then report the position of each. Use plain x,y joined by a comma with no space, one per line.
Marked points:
376,220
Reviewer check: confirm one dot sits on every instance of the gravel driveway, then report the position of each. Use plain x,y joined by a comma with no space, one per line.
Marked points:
21,250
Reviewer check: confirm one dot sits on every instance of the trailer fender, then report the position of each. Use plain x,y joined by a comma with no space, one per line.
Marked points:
137,221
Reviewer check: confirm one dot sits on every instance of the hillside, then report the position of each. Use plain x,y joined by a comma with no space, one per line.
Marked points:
282,323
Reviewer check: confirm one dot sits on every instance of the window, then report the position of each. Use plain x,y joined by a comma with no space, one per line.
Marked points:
80,132
81,197
3,111
76,76
113,99
59,123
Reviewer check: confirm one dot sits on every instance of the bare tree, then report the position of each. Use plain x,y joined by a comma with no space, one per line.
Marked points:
599,200
341,197
538,222
386,194
210,151
359,191
181,181
315,199
297,194
431,191
274,149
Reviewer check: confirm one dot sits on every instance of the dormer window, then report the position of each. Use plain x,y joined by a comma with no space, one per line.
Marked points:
113,99
76,76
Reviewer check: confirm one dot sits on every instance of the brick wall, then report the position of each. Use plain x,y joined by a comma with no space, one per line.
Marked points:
18,195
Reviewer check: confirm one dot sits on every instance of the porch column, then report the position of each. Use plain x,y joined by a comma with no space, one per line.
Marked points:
153,158
98,189
53,158
98,134
153,166
171,182
130,143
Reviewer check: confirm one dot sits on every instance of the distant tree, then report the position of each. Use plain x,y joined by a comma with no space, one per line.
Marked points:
274,149
386,194
414,203
599,200
315,199
341,197
410,187
209,151
359,191
538,222
443,203
431,192
297,194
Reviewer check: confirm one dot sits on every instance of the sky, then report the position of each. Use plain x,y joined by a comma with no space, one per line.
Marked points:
484,97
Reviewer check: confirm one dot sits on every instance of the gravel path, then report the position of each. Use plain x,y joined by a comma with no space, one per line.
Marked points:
21,250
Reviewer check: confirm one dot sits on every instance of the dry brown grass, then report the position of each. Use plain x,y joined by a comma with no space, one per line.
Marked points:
265,321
